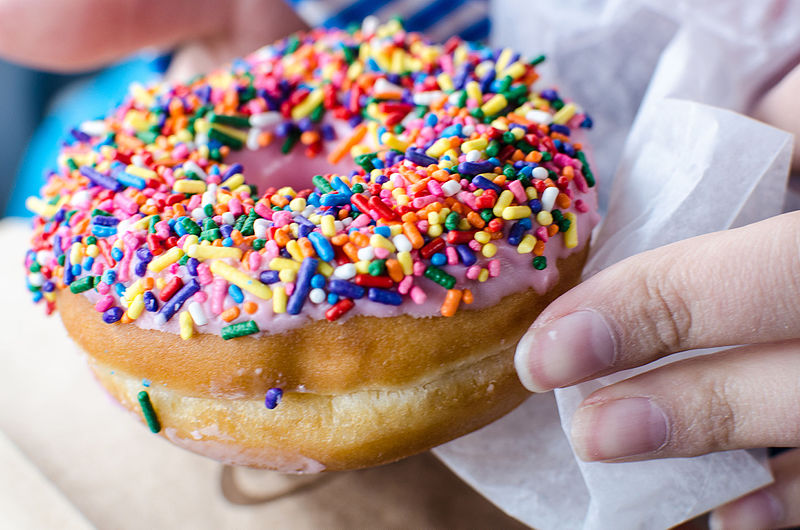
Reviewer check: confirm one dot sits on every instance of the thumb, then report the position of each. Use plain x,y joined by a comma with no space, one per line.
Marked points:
733,287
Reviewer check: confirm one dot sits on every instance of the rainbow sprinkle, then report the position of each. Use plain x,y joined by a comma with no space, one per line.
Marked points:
455,152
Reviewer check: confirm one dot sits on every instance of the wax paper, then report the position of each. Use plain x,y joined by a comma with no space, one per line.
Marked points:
667,84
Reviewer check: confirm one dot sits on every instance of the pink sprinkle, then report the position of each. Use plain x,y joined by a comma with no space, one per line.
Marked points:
173,269
418,296
218,292
200,297
126,204
468,198
182,240
254,261
473,272
452,255
104,303
235,207
494,268
214,179
281,218
271,250
98,268
405,285
103,288
162,229
360,221
580,182
518,190
562,160
421,202
541,233
381,253
124,268
385,194
180,151
474,245
418,268
581,206
204,274
194,202
263,210
289,288
436,188
422,226
107,205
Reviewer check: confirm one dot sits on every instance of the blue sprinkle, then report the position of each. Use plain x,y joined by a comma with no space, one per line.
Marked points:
345,288
87,263
37,297
438,259
99,179
103,231
466,255
112,315
536,205
269,276
119,288
144,254
140,269
474,168
305,230
548,94
526,223
321,245
339,185
226,230
332,298
48,286
191,266
384,231
131,180
146,383
273,397
453,130
587,122
384,296
335,199
227,242
560,129
236,293
150,302
486,184
318,281
105,220
419,158
169,309
76,269
302,286
515,233
109,277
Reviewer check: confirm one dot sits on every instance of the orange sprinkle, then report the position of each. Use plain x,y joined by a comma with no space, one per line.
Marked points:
467,297
343,148
340,239
451,301
306,248
149,283
395,270
552,230
475,220
351,251
250,307
538,248
563,201
359,239
410,217
413,235
237,237
282,237
230,314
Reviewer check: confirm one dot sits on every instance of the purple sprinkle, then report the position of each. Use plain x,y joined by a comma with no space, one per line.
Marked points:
475,168
269,276
99,179
112,315
273,397
420,159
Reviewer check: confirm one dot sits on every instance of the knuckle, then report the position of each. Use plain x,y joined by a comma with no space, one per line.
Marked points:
666,312
715,423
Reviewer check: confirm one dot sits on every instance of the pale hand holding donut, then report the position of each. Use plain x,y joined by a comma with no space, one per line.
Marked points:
735,287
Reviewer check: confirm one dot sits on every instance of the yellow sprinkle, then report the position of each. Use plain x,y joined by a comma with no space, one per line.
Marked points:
293,248
325,268
133,291
526,245
41,208
187,327
503,59
241,279
494,105
189,186
298,204
136,307
287,275
76,253
362,267
515,71
203,252
160,283
483,275
92,251
438,148
463,224
482,237
327,226
435,230
398,60
474,91
50,297
280,264
406,262
166,259
503,202
378,240
531,193
279,299
544,218
230,131
489,250
393,142
564,114
308,105
287,190
571,235
242,188
433,218
190,240
396,229
142,172
445,82
234,181
516,212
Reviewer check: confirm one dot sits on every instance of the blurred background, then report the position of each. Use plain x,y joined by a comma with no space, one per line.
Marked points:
38,108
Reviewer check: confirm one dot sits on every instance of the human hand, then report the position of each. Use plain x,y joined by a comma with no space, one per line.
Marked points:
82,34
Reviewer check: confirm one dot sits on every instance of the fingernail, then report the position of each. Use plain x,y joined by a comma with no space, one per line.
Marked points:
758,510
566,350
619,428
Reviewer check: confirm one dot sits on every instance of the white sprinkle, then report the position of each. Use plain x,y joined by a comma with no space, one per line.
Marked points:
198,214
191,165
345,272
260,228
198,314
539,173
549,198
252,139
473,156
94,127
317,296
451,187
382,85
539,116
366,253
427,98
80,199
265,119
228,218
401,242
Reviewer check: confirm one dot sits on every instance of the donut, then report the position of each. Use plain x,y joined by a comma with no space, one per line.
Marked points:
322,256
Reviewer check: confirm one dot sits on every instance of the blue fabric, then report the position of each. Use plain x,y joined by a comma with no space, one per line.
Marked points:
88,99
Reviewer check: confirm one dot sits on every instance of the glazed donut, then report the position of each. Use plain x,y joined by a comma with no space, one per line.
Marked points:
323,256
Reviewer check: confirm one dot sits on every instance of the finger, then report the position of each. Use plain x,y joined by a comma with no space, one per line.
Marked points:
79,34
741,398
733,287
776,506
781,107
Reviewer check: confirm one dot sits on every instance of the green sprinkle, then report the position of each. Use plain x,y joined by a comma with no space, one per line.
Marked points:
211,235
98,211
546,157
149,412
221,137
557,104
292,44
35,267
151,229
493,149
462,99
539,263
323,185
509,138
537,60
317,113
71,164
365,161
209,224
190,226
84,284
91,240
376,267
289,143
62,259
148,137
587,172
505,83
239,330
439,276
487,215
357,187
258,244
184,259
452,220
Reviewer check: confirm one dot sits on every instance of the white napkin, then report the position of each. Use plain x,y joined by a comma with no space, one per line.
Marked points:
683,168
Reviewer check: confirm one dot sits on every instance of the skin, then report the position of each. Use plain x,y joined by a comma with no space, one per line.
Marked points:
731,294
